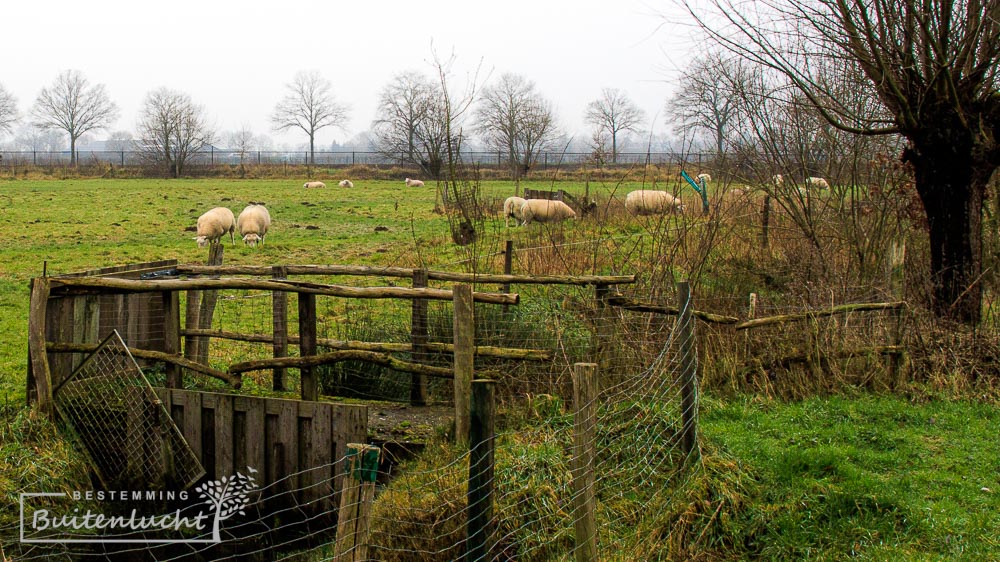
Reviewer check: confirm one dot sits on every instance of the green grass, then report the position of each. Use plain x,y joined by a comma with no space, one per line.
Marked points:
868,477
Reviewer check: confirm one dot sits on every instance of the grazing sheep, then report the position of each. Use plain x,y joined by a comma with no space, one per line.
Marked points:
213,225
346,183
414,183
818,183
512,210
652,202
545,210
309,184
253,223
705,177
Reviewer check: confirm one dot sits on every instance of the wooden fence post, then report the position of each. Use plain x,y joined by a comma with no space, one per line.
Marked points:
172,336
508,269
582,467
208,301
479,525
688,373
464,357
356,499
279,321
191,322
36,346
603,331
418,339
307,344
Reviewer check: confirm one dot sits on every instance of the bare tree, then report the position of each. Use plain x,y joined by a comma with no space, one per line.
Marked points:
243,141
408,123
121,140
309,107
513,118
612,115
74,106
33,138
172,129
932,66
8,111
708,97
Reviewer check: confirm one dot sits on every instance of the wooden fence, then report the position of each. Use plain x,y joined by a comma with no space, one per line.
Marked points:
294,445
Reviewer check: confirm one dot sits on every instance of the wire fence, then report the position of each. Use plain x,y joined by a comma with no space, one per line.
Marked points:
208,158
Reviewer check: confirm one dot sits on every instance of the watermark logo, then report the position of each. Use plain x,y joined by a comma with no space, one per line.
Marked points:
217,501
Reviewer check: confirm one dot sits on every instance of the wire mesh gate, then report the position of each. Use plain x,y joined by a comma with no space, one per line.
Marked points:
115,416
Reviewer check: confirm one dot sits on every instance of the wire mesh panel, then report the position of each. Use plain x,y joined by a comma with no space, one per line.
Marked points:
115,415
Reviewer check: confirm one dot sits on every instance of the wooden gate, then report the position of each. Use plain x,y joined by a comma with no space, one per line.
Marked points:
295,447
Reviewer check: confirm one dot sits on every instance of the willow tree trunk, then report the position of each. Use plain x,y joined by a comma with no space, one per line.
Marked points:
951,181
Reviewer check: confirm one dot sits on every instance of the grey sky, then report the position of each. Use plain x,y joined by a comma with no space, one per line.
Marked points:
235,57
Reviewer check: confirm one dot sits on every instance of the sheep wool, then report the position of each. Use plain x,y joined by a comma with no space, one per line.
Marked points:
253,223
512,210
544,210
310,184
213,225
652,202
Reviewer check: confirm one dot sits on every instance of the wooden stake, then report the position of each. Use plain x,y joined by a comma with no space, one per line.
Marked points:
582,467
464,336
355,502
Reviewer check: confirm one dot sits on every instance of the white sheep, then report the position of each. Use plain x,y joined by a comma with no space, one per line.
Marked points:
705,177
309,184
652,202
818,183
346,183
253,223
512,210
778,180
413,183
213,225
545,210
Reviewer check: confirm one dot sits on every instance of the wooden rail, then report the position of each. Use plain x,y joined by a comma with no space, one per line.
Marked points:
842,309
263,271
65,347
382,347
59,286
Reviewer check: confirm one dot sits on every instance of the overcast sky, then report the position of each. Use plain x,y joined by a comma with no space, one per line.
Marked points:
235,58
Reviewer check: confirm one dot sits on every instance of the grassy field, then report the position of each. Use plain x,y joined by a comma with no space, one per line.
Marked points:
828,478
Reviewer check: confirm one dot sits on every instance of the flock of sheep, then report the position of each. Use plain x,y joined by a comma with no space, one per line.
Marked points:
254,221
252,224
638,202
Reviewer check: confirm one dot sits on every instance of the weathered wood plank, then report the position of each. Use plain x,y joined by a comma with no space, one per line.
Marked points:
288,425
172,336
100,284
338,356
842,309
263,271
191,429
279,321
224,435
233,380
350,425
383,347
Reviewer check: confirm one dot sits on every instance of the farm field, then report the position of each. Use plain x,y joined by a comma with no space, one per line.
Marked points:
854,476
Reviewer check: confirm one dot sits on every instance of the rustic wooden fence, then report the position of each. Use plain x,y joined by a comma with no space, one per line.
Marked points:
295,445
